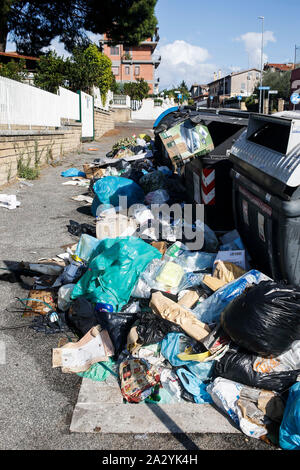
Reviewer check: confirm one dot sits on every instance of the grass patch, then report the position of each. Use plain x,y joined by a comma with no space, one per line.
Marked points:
25,170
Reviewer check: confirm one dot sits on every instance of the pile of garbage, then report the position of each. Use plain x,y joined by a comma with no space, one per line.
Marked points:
174,323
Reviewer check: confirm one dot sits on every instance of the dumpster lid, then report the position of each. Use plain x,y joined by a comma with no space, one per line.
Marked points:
271,144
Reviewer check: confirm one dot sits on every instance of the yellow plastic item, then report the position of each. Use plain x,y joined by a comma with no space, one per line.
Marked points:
170,275
187,356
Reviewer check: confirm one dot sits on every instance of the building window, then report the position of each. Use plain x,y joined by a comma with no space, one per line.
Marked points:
127,70
257,76
137,70
114,50
243,86
115,70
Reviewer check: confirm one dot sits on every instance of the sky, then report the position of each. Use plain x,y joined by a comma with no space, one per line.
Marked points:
198,38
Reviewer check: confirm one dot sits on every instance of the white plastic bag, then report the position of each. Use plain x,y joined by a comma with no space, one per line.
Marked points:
225,394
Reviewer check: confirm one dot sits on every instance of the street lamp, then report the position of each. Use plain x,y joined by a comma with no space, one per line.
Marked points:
261,64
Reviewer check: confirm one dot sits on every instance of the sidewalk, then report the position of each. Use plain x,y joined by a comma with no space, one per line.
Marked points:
37,402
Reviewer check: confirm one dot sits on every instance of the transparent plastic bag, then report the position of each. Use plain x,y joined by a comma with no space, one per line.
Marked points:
210,310
64,297
193,261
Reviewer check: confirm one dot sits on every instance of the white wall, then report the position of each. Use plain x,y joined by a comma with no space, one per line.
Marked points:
69,104
22,104
150,112
87,115
98,100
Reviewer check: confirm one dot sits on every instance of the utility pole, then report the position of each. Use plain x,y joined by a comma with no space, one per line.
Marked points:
295,56
261,103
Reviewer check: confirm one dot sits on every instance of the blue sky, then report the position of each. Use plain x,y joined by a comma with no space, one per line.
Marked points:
199,38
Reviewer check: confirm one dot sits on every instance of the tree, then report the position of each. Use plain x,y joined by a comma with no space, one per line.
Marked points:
89,68
33,24
85,69
137,90
15,70
52,72
280,81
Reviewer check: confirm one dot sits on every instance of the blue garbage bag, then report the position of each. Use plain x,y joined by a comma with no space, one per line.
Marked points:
209,311
114,270
289,433
72,172
174,344
110,188
195,386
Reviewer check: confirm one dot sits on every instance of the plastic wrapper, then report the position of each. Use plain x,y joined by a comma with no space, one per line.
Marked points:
264,319
210,310
191,280
170,275
193,261
137,379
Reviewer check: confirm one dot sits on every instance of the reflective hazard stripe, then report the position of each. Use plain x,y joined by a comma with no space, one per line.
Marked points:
208,186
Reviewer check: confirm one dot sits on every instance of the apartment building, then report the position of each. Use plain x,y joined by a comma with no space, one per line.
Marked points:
130,63
241,83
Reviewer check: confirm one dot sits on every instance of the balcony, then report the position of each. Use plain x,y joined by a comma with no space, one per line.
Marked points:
126,58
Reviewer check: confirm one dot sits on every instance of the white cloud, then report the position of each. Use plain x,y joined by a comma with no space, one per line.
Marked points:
183,61
252,42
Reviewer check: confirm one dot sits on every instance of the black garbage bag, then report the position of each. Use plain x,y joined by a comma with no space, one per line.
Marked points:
81,316
118,326
132,174
77,229
152,329
238,367
264,319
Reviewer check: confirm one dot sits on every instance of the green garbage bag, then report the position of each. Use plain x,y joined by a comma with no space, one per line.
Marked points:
99,371
114,271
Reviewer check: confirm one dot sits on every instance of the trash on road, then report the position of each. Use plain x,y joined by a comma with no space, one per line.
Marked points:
138,297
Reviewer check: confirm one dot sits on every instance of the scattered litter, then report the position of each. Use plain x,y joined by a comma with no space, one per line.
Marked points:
9,201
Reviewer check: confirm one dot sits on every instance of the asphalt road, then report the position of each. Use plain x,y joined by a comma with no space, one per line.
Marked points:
37,401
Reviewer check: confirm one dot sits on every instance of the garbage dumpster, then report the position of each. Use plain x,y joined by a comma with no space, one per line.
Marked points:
266,194
207,178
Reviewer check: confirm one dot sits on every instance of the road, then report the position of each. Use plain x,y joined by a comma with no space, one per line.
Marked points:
37,401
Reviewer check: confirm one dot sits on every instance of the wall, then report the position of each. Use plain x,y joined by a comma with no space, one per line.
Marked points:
103,122
43,145
121,114
242,78
22,104
150,112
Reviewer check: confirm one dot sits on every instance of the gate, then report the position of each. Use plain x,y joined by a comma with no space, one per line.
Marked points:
86,115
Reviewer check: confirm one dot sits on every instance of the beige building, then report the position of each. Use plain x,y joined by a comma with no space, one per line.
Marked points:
240,83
